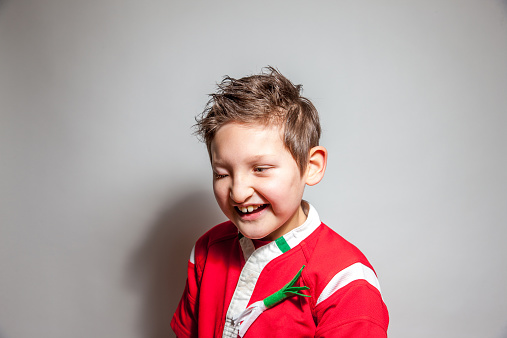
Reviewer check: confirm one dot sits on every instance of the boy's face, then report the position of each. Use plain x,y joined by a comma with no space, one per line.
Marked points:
257,182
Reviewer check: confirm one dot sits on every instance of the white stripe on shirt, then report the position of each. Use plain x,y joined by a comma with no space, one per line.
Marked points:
352,273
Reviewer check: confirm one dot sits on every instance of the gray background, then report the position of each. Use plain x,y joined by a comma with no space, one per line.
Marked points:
103,189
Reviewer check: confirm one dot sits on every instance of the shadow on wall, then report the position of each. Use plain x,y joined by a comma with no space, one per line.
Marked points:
158,269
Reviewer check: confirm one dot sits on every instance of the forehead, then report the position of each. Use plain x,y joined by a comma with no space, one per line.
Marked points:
233,130
239,140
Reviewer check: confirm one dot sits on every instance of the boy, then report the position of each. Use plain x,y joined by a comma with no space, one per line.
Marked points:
273,269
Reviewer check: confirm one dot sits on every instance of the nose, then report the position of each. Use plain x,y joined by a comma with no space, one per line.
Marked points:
241,190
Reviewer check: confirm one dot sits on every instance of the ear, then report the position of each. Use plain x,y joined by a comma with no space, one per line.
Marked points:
316,167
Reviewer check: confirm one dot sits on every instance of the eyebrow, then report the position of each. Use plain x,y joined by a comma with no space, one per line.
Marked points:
262,157
255,158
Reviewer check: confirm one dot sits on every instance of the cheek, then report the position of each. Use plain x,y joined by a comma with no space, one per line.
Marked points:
283,191
220,192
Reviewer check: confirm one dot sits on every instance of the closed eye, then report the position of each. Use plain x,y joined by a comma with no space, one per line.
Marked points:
218,176
261,169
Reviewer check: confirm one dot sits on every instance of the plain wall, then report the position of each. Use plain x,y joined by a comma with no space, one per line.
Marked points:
104,190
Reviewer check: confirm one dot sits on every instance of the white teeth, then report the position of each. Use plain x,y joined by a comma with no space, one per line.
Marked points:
249,209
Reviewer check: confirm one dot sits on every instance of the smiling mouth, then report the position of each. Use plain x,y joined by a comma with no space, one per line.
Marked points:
251,209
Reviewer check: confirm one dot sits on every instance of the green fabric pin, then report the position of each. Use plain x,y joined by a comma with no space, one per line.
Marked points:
287,291
250,314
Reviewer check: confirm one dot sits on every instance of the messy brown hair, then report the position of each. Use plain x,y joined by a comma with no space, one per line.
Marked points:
268,99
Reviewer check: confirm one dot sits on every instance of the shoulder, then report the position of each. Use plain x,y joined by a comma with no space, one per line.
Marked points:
219,232
340,276
225,231
345,292
328,251
334,262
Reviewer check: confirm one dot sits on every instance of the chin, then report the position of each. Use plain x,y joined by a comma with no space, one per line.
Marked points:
253,235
